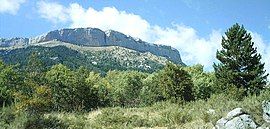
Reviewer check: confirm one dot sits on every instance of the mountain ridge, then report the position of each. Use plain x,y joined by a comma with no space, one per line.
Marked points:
95,37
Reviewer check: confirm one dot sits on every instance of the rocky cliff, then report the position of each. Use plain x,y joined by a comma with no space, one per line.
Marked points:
13,42
96,38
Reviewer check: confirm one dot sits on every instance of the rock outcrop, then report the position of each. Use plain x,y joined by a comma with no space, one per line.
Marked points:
94,37
236,119
13,42
266,111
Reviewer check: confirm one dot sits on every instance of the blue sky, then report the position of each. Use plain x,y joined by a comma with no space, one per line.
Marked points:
194,27
203,15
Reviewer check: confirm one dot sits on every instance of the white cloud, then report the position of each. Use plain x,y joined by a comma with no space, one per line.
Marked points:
10,6
193,48
53,11
108,18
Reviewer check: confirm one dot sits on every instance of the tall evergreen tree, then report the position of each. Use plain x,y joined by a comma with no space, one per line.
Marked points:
240,64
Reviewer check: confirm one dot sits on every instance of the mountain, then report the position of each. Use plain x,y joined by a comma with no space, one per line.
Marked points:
91,48
94,37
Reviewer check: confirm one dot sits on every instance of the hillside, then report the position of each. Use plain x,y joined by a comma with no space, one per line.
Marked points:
100,59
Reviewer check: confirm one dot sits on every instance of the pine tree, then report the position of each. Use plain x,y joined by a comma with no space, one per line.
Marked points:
240,63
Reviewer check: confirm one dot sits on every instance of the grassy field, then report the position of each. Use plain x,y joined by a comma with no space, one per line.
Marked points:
199,114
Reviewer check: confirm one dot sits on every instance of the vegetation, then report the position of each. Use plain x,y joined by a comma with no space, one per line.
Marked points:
38,94
102,61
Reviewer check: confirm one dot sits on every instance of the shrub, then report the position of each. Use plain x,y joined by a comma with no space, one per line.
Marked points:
118,118
7,115
39,122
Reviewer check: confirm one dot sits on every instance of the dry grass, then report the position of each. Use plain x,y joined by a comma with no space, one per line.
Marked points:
164,115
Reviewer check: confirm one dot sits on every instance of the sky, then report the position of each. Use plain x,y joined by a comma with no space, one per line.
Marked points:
194,27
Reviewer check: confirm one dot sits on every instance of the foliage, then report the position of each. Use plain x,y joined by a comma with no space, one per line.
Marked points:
240,63
204,82
84,88
38,102
7,115
41,122
126,87
69,89
9,81
97,61
171,83
151,91
175,83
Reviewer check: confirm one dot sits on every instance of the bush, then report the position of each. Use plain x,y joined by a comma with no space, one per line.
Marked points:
234,92
118,118
172,83
7,115
39,102
38,122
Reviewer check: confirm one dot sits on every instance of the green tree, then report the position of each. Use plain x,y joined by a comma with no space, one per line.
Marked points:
85,90
33,75
240,65
9,82
34,94
62,81
35,69
204,82
151,91
126,87
72,90
176,83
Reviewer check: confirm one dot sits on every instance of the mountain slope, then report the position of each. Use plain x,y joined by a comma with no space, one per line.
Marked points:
100,59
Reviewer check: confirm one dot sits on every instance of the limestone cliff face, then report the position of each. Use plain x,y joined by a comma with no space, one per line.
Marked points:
13,42
95,37
118,39
79,36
